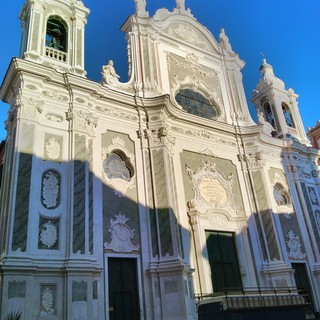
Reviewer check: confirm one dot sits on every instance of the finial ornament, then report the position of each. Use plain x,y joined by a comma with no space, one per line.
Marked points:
141,8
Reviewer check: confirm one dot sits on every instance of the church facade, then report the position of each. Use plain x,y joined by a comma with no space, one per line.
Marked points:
155,198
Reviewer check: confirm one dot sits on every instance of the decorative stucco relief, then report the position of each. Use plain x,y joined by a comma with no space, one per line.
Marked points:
50,189
158,137
191,64
115,170
304,173
218,220
313,196
121,235
298,159
315,173
190,35
212,189
117,113
47,305
208,152
53,149
30,108
9,123
253,160
54,117
48,234
83,121
294,245
54,95
203,134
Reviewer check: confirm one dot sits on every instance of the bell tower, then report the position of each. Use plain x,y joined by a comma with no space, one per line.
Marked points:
278,106
53,34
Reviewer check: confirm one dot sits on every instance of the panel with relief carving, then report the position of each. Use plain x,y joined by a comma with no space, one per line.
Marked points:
50,189
48,233
48,297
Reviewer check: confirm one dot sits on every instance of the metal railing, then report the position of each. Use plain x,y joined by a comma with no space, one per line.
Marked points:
238,298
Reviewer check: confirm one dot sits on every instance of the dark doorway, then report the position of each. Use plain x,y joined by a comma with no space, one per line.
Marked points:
302,280
123,289
223,260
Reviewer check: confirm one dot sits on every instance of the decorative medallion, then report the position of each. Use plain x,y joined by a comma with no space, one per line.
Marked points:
295,247
50,189
48,234
121,235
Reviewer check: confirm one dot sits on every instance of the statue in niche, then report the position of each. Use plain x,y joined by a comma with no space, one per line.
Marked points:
109,75
295,247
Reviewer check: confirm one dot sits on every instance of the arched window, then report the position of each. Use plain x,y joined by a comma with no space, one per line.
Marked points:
280,195
118,166
269,115
56,34
287,115
195,103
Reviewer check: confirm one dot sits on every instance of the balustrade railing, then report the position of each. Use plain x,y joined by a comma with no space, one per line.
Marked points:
56,54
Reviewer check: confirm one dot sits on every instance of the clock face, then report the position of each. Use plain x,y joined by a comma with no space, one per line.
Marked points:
115,168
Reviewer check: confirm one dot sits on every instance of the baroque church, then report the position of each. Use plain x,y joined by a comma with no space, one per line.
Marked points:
159,198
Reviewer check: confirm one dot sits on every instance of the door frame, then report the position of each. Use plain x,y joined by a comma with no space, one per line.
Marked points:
139,281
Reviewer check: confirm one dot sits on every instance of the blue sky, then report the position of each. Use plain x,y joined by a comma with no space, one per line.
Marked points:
287,32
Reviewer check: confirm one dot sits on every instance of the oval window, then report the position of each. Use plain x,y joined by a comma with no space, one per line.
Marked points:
195,103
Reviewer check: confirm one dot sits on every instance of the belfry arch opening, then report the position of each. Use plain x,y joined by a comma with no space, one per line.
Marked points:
56,38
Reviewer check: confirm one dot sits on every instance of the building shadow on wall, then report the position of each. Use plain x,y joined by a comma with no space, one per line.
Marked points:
122,259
